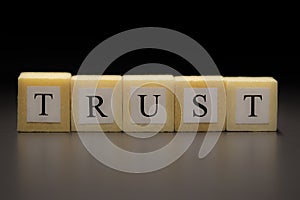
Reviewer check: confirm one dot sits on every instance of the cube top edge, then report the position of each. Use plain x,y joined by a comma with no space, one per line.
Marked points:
199,78
148,77
250,79
96,77
45,75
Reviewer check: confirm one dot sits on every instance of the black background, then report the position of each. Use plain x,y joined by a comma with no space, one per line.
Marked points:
262,47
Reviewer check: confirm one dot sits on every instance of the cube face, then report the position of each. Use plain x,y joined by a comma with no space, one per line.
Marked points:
96,103
200,103
148,103
44,102
251,104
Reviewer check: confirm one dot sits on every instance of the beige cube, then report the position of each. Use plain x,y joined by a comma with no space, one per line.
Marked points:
148,103
44,102
200,103
251,103
96,103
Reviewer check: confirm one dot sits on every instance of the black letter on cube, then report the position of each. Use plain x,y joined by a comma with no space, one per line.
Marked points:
100,102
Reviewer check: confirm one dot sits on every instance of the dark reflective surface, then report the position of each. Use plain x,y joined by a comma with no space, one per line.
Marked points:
242,165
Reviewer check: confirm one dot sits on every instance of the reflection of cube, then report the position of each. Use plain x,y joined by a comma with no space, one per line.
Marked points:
96,103
200,103
251,104
44,102
148,103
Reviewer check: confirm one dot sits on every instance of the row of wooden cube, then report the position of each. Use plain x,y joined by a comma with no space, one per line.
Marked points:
59,102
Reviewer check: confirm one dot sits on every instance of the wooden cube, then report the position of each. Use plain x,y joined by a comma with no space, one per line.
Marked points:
44,102
200,103
148,103
251,103
96,103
